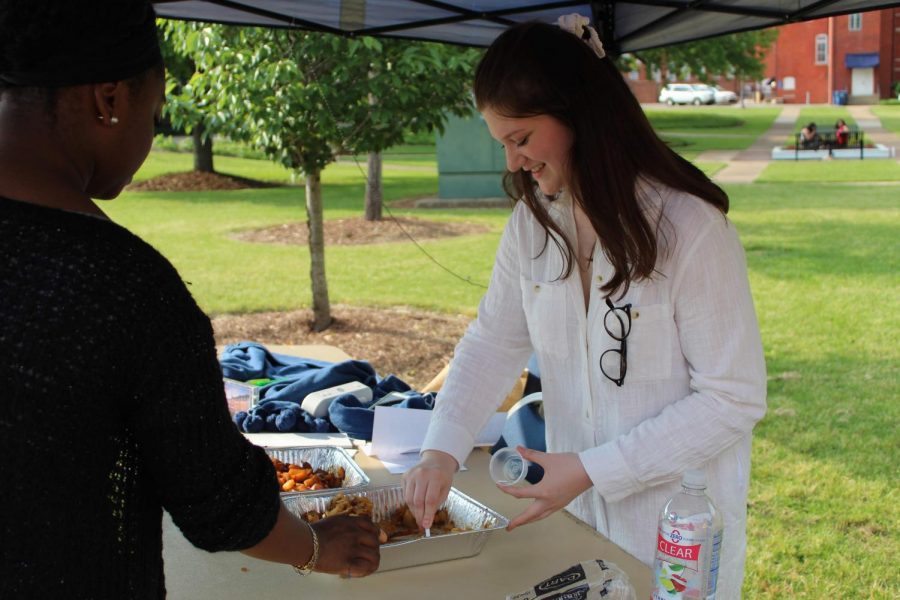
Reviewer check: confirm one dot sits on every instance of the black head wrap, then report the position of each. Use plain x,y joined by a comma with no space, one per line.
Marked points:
55,43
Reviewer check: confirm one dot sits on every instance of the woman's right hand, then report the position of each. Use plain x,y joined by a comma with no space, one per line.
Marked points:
425,486
348,546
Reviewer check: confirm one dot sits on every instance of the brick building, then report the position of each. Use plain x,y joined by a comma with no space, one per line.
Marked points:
809,61
857,53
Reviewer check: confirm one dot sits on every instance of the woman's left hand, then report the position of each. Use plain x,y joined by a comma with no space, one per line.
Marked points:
564,480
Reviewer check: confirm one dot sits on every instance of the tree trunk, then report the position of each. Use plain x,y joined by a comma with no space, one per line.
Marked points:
373,188
320,304
203,155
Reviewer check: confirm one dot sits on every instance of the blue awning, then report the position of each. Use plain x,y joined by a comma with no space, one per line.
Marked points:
861,61
624,25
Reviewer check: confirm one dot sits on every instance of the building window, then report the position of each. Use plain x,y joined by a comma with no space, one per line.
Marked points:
855,22
821,49
789,84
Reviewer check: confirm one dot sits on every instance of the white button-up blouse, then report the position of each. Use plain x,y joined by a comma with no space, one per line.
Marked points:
695,383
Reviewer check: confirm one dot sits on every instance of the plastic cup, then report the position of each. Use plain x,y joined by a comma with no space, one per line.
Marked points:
508,467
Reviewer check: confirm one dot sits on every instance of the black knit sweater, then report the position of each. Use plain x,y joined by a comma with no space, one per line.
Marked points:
111,409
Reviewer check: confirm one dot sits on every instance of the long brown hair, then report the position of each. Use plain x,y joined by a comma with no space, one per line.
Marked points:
538,69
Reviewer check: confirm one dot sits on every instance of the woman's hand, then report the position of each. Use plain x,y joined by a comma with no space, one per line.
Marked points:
564,480
348,546
425,486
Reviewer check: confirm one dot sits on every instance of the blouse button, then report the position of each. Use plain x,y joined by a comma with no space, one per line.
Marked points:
637,314
537,288
599,277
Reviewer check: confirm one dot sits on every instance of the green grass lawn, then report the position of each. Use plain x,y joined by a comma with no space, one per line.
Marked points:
233,276
889,115
818,171
750,121
161,162
823,262
692,130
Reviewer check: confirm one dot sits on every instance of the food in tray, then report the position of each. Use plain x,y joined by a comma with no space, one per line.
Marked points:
302,478
355,506
400,525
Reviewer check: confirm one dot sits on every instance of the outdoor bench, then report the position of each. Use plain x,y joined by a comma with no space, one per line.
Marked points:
828,141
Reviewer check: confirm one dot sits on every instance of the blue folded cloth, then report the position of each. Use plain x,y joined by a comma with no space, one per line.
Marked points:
280,415
294,378
249,360
357,419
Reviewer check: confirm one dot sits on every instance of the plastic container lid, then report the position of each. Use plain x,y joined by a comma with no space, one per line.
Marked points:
694,479
508,467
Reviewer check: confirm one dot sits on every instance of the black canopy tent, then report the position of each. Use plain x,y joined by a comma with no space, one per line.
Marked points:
624,25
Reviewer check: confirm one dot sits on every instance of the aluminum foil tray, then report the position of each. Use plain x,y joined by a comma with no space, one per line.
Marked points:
464,511
323,457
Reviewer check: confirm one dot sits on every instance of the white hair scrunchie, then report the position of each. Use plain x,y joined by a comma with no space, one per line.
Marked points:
578,25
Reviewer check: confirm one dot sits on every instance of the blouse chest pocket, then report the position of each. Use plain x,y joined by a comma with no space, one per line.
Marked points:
650,343
546,306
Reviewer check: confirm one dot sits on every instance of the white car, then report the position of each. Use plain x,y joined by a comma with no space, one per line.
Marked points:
724,96
685,93
720,96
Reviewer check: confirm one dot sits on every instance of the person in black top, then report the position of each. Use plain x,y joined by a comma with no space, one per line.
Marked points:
810,138
111,399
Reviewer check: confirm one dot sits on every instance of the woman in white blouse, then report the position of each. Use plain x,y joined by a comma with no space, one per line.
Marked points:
619,269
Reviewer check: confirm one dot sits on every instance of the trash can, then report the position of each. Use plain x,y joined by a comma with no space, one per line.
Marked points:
840,97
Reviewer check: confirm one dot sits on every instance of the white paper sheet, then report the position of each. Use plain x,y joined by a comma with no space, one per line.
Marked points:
398,433
397,464
293,440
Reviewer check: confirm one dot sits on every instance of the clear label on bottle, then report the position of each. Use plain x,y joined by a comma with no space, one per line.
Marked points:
678,567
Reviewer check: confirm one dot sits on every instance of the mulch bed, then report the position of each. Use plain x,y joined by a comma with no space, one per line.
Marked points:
357,231
412,344
195,181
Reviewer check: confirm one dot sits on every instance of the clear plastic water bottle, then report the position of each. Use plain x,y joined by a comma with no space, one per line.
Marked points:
688,543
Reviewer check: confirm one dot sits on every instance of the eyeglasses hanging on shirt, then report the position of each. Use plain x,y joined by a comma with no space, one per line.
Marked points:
617,322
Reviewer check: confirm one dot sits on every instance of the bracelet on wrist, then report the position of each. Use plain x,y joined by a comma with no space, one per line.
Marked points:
311,563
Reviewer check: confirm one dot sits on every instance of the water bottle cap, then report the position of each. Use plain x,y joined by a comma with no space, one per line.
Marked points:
694,479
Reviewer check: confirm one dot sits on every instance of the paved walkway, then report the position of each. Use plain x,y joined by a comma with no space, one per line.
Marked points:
745,166
871,125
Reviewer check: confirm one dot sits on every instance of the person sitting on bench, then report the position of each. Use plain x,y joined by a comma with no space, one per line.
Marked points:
809,138
841,134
